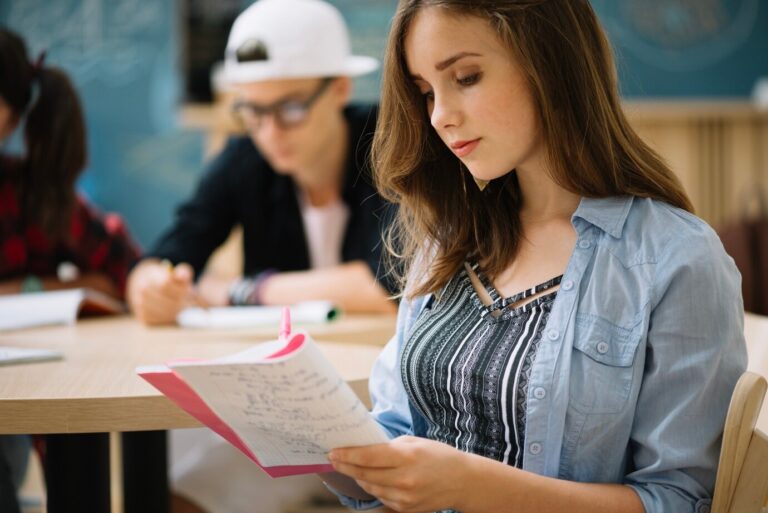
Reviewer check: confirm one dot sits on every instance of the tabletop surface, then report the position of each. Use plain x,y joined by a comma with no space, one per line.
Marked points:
94,388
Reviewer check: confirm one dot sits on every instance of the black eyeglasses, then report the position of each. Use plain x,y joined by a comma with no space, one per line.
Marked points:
287,113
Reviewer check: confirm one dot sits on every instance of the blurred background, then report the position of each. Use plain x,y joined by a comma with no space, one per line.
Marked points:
689,72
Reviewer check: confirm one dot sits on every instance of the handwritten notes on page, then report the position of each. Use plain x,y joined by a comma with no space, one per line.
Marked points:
284,402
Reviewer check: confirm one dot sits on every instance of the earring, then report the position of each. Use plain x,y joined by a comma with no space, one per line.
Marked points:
481,184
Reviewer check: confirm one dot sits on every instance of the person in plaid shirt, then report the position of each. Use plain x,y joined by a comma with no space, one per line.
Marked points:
98,246
44,223
52,238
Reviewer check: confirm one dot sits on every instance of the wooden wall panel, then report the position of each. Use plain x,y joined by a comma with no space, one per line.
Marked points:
718,149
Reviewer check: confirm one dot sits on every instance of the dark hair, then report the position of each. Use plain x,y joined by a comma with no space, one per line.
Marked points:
592,150
54,135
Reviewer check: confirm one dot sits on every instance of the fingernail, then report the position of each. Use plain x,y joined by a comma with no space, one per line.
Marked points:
332,456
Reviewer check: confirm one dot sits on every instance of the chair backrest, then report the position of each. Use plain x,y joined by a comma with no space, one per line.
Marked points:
756,334
742,476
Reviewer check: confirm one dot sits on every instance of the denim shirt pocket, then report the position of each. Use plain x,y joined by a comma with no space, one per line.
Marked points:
601,366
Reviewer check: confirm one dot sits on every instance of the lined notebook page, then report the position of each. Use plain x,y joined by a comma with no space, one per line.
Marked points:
289,411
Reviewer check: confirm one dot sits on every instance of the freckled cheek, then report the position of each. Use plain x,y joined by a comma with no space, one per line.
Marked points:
517,120
504,127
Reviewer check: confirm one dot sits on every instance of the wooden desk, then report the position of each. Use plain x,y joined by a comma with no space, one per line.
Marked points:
95,387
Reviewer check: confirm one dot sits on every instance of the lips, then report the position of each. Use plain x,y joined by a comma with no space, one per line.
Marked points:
281,153
464,148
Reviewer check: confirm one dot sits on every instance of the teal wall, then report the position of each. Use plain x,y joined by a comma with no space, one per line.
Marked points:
124,56
368,22
664,48
687,48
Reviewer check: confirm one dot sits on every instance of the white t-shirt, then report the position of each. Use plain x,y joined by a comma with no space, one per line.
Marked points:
324,228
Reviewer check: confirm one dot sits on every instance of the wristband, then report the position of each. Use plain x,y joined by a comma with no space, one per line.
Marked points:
248,290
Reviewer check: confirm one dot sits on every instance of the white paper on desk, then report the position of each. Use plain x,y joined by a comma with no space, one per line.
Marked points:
289,410
19,311
13,355
307,312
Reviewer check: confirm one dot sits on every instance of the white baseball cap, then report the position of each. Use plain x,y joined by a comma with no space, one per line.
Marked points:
276,39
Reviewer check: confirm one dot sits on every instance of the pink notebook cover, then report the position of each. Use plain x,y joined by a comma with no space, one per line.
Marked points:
177,390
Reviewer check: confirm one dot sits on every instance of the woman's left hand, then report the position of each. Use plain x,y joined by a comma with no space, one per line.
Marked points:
408,474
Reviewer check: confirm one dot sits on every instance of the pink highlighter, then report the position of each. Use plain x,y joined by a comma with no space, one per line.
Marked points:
285,325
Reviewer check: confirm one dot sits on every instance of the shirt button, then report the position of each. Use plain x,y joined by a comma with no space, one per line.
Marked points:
567,284
584,244
553,334
539,393
704,508
535,448
602,347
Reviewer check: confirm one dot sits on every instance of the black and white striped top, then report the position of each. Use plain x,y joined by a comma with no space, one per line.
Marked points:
466,366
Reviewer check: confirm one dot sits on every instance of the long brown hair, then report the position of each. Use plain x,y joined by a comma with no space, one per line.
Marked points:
592,150
54,134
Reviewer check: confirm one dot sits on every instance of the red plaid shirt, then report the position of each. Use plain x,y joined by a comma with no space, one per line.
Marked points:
96,243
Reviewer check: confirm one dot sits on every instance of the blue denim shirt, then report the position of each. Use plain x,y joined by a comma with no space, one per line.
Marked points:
640,355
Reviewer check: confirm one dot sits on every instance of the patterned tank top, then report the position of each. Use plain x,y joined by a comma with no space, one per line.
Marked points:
466,366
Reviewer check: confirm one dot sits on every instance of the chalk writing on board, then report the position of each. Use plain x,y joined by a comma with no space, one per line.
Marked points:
108,40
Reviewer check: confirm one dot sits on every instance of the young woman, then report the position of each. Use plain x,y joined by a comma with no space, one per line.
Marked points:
51,238
570,333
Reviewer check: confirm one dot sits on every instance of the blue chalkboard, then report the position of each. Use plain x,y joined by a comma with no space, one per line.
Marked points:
368,22
664,48
692,48
123,57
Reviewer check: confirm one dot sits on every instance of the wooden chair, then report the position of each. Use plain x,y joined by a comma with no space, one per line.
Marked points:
756,333
742,477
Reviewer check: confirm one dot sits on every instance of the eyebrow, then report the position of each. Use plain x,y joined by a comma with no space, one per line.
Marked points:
442,65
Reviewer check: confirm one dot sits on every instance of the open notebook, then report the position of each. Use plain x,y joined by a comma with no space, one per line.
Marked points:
19,311
281,403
